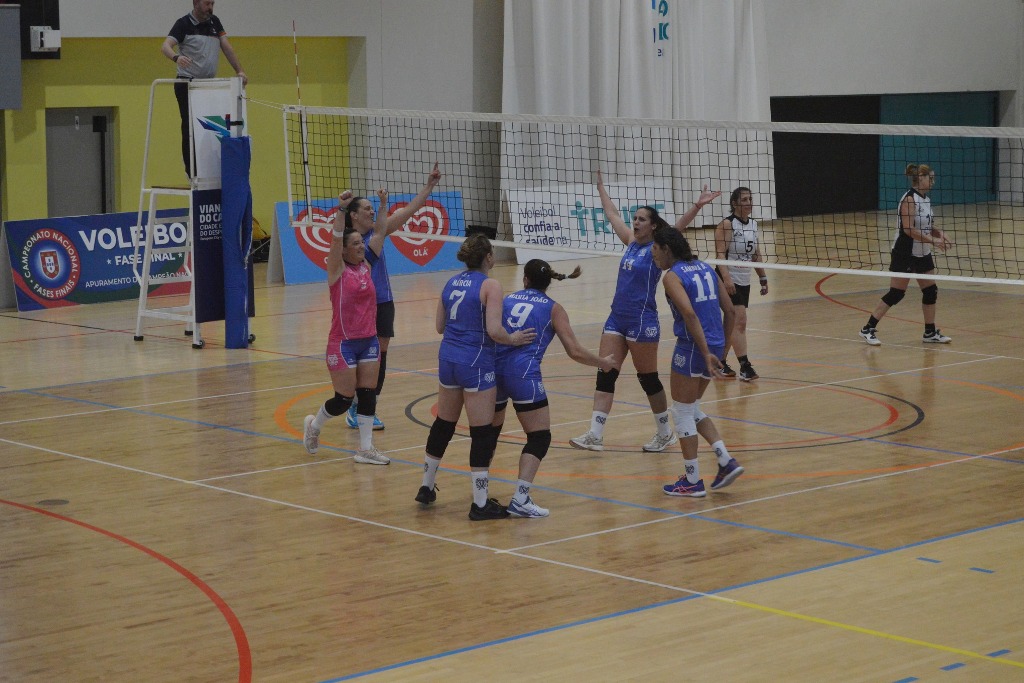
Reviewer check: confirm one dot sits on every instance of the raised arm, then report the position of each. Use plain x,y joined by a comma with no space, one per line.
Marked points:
611,212
376,242
398,219
576,351
335,261
705,198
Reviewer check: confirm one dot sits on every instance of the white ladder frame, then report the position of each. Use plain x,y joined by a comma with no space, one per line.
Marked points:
141,267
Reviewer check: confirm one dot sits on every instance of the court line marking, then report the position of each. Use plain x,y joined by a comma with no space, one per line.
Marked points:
591,570
519,553
716,596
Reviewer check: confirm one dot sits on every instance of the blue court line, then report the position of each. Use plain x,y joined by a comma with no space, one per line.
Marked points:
928,559
953,667
906,680
664,603
983,571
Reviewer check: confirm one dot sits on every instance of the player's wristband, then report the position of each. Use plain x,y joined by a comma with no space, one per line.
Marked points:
764,280
338,234
175,58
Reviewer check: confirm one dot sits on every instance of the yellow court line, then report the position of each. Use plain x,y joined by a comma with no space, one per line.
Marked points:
869,631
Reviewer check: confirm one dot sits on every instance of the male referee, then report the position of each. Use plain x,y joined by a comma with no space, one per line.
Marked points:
200,37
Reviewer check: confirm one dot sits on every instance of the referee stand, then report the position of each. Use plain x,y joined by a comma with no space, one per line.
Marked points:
217,115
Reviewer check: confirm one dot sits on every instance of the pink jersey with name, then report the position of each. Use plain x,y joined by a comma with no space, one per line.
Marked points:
354,304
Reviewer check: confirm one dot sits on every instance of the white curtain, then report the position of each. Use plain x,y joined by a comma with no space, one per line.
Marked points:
696,60
672,59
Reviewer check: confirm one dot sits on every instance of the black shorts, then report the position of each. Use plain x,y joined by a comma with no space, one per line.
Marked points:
911,264
742,296
386,319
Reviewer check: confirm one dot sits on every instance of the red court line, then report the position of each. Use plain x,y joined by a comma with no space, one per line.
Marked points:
822,294
241,642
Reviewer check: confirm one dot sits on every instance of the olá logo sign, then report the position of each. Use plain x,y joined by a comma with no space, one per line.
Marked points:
431,219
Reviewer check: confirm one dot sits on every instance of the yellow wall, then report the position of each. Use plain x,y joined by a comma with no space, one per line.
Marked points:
117,73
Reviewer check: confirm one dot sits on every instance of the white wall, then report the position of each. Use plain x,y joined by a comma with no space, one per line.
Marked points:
873,47
446,54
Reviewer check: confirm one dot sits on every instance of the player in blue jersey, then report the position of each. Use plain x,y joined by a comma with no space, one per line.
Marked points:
359,214
469,318
633,325
699,302
519,377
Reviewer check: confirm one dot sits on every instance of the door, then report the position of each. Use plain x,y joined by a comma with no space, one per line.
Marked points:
79,162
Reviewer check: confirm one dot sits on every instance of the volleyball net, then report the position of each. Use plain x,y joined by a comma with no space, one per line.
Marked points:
532,180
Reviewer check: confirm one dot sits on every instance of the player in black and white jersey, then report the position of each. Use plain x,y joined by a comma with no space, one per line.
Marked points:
736,239
916,236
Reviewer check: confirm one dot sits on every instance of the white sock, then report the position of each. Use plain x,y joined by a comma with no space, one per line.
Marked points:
664,423
365,431
321,416
721,452
597,420
522,491
692,470
480,483
430,465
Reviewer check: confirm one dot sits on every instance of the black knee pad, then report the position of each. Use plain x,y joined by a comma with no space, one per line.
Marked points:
338,405
651,383
367,402
382,371
929,295
481,445
893,296
493,437
538,443
441,433
606,381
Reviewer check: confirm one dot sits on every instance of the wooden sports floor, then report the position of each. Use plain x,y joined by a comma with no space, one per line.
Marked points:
160,520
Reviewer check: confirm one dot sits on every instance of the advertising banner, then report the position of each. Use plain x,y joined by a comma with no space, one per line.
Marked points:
304,249
572,216
88,259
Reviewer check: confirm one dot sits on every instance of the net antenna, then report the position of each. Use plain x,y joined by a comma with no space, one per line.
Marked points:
302,125
532,177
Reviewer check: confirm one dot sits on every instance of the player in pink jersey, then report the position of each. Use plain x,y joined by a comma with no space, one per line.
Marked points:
353,352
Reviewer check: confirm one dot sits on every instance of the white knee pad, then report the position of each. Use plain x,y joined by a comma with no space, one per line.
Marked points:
685,424
698,414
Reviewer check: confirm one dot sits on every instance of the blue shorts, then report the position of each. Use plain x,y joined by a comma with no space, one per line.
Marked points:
347,353
452,375
643,329
688,361
522,390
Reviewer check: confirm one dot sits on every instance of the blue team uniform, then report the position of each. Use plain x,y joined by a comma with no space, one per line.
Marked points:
379,273
466,356
634,310
701,285
518,367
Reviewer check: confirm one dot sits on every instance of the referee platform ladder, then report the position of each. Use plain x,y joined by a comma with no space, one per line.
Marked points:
144,271
207,98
